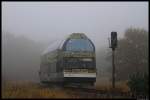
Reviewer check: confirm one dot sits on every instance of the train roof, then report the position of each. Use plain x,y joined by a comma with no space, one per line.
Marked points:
59,43
54,46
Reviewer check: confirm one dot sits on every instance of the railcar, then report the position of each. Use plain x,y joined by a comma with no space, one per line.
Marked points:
68,61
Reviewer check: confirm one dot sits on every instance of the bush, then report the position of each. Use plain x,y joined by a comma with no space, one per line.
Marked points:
138,83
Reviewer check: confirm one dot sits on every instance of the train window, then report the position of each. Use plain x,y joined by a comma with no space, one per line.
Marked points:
77,63
79,45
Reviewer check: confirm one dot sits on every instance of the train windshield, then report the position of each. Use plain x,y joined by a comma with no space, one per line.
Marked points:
79,45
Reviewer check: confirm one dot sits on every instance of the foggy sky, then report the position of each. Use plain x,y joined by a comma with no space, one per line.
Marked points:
46,21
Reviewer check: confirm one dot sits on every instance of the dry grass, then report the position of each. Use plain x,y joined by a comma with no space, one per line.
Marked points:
33,90
120,86
30,90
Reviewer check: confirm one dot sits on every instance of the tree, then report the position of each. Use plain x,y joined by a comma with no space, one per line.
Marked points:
20,57
131,55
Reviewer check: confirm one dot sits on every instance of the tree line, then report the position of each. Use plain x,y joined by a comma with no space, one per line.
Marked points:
21,56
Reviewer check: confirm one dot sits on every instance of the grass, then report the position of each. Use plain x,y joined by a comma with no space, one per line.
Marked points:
30,90
120,86
27,89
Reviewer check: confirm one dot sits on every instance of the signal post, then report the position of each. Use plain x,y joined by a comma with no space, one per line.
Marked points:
113,46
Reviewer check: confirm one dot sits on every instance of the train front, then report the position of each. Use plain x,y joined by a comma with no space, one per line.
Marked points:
79,61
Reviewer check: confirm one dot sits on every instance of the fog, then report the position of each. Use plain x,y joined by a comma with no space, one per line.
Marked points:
51,20
44,22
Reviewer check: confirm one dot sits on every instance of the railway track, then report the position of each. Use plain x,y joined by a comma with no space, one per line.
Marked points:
93,93
83,92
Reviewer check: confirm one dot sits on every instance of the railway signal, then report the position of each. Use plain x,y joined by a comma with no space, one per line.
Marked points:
113,40
113,45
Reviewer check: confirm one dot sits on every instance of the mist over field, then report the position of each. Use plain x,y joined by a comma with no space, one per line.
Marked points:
28,28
